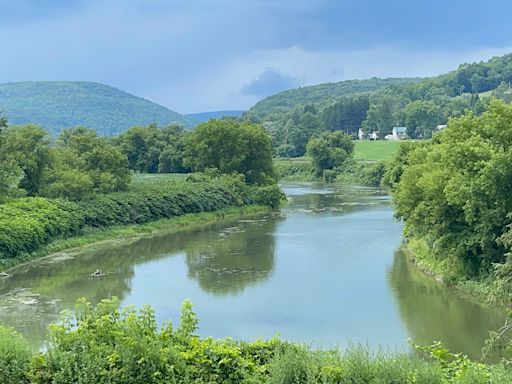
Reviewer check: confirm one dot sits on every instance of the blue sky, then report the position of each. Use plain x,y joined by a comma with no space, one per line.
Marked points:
203,55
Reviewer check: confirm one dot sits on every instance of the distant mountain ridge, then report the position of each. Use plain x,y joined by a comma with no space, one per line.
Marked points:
56,105
201,117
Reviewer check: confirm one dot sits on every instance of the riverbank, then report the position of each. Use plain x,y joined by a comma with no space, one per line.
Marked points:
484,290
99,236
28,225
368,173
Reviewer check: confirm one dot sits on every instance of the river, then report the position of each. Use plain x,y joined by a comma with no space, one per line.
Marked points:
326,270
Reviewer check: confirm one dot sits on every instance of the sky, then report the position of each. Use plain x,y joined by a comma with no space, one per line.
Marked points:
206,55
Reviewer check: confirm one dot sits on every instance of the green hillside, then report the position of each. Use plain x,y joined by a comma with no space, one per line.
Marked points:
320,93
62,104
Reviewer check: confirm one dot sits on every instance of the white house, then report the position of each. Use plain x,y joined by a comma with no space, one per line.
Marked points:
370,136
441,127
399,133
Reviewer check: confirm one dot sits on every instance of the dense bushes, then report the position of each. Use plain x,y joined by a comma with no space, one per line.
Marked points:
162,198
29,223
104,344
269,195
365,173
295,169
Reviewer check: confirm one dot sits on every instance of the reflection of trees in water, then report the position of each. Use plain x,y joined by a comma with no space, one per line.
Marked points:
50,287
228,261
35,294
433,312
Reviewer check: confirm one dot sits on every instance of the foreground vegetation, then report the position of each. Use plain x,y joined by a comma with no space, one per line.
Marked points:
103,344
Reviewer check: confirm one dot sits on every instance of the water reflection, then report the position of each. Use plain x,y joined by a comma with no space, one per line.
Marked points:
223,258
227,261
431,311
334,198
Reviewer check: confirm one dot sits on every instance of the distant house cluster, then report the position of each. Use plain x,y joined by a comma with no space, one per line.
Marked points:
398,133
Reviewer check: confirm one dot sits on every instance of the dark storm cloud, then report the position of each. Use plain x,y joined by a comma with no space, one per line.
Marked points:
202,54
270,81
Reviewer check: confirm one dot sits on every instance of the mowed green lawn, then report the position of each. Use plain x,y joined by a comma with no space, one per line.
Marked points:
375,150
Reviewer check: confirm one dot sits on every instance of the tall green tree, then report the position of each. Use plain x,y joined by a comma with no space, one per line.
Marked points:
86,164
10,172
29,147
380,116
231,147
152,149
346,114
330,150
308,126
422,118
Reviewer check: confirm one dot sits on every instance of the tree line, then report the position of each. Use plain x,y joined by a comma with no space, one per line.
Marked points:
80,164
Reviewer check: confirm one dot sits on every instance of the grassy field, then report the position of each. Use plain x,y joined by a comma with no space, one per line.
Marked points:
375,150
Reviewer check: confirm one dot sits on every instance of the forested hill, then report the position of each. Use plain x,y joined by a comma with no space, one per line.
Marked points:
319,94
477,79
62,104
378,105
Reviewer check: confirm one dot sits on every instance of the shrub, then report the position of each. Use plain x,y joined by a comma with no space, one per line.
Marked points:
29,223
293,365
164,198
15,355
370,174
269,195
329,175
106,345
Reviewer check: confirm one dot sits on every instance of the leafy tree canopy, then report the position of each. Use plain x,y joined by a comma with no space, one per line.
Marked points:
454,192
231,147
330,150
86,164
151,149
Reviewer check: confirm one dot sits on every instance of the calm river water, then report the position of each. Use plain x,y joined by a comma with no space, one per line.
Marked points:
326,271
